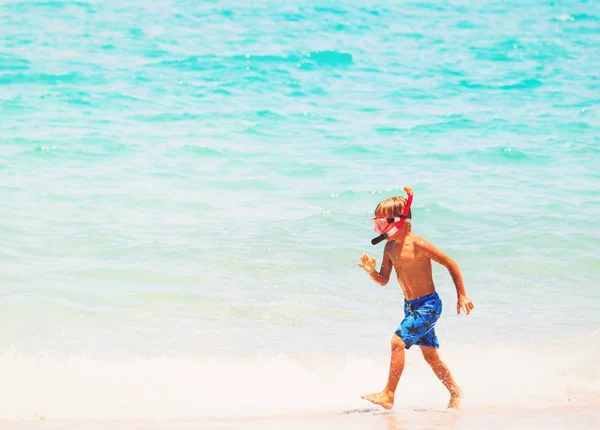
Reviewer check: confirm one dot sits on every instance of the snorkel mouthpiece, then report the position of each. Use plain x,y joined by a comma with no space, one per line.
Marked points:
378,239
400,223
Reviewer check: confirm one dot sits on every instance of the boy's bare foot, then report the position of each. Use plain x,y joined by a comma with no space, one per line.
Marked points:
382,399
455,399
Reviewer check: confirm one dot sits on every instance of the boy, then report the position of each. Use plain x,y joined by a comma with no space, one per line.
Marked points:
411,255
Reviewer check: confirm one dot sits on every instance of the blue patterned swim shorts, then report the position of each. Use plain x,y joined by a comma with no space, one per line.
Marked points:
420,315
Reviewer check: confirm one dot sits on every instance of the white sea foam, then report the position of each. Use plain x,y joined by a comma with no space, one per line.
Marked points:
185,387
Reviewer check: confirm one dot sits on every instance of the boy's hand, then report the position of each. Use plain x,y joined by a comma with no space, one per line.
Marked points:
367,263
465,304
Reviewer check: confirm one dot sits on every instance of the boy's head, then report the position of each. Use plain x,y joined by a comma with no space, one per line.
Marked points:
391,215
392,207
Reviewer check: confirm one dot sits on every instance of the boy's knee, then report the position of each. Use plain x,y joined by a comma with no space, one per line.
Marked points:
397,342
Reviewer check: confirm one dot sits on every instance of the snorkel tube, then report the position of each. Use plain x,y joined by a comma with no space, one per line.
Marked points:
400,223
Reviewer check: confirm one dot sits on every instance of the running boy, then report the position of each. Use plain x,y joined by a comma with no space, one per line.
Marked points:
411,255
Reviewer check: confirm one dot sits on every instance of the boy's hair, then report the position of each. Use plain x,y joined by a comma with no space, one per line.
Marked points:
392,207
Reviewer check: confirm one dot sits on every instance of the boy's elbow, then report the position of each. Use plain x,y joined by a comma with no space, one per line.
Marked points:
452,267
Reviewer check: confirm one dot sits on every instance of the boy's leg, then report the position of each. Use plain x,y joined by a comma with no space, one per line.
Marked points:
432,357
386,397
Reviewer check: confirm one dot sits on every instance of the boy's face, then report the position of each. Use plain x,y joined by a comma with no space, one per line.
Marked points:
389,227
381,224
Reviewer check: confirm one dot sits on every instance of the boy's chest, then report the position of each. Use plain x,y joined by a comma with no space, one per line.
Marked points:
403,255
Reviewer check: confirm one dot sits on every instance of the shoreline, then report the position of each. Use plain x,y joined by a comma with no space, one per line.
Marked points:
371,418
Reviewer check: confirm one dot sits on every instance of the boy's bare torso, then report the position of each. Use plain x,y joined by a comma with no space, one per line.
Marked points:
413,268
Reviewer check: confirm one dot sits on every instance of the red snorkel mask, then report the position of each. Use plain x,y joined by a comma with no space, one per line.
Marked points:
380,224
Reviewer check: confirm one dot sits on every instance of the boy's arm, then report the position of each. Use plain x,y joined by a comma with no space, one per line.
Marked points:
430,251
368,265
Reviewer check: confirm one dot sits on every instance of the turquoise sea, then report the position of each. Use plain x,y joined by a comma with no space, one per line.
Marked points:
186,187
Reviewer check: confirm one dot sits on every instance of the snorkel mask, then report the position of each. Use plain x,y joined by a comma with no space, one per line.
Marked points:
380,223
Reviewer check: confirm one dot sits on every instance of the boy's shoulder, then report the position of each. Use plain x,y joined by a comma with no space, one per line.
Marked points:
411,239
417,240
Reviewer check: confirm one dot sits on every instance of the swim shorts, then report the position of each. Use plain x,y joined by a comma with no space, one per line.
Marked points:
420,315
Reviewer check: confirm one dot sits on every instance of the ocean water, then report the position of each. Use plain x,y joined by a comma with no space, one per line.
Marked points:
186,188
